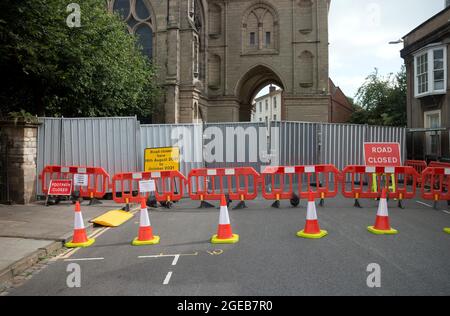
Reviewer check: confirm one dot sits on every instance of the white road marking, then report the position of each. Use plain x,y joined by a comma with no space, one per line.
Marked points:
431,206
425,204
85,259
163,256
175,260
167,279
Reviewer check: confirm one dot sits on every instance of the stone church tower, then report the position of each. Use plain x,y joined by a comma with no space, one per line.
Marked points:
213,56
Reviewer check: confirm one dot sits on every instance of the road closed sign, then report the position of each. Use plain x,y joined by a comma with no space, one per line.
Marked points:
60,187
382,154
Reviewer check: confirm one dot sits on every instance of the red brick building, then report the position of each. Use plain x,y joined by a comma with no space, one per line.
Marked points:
340,107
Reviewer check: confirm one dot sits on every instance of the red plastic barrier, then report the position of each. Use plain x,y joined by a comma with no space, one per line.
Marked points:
211,184
98,179
169,186
361,182
419,166
437,164
436,182
284,190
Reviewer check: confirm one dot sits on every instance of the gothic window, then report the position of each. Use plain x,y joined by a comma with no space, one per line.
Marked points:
196,47
306,69
214,71
268,41
268,28
260,29
191,8
306,16
215,20
252,39
137,15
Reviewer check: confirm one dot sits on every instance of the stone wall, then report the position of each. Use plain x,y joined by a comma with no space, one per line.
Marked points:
21,142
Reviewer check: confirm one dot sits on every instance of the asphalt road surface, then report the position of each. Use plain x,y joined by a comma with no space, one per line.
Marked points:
268,260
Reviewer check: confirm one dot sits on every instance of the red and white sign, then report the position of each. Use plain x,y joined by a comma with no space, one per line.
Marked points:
60,187
382,154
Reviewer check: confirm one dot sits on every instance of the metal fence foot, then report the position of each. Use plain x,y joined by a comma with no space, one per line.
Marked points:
295,201
204,205
241,205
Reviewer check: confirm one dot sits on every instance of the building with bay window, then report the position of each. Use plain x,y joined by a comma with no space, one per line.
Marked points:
426,57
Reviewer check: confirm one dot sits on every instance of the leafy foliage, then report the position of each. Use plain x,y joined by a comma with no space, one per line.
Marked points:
381,100
53,70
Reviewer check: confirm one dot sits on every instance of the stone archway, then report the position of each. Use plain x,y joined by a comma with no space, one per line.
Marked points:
250,84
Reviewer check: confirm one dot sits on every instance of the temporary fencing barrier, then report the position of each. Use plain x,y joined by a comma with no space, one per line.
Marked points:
435,184
96,180
438,164
392,178
239,184
297,182
129,187
419,166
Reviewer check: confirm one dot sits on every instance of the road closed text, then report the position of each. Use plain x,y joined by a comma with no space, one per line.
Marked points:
382,154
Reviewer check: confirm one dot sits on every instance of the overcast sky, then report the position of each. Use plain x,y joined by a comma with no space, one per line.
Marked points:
360,31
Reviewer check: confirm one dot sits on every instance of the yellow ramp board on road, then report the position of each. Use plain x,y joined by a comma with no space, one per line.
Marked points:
113,218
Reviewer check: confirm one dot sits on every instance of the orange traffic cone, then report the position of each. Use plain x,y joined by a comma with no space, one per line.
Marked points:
225,233
145,236
80,238
447,230
382,225
312,228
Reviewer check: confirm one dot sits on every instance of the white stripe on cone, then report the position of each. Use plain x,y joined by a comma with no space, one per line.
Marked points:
79,223
311,213
224,216
383,208
145,219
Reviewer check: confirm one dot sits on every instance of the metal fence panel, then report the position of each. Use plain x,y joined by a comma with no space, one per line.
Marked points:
118,144
342,144
110,143
388,134
187,136
242,145
298,143
49,145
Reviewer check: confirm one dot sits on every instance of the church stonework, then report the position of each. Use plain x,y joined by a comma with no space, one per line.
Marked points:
213,56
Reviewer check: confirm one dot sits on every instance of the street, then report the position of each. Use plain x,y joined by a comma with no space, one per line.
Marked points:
268,260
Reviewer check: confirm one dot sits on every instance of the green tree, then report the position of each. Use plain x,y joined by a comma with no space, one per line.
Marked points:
54,70
381,100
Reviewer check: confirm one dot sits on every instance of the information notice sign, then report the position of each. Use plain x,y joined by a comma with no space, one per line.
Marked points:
162,159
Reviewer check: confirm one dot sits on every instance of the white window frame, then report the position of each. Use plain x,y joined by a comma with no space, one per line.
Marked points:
430,51
428,135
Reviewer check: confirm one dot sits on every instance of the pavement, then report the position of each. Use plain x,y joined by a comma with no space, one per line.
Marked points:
268,260
29,233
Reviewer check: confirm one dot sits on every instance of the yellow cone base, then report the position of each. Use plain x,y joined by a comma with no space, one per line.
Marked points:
447,230
89,243
233,240
302,234
382,232
154,241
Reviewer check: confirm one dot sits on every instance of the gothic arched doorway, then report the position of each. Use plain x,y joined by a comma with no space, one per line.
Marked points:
251,84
